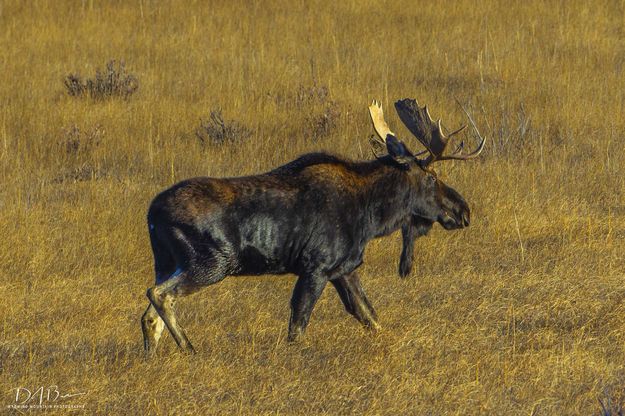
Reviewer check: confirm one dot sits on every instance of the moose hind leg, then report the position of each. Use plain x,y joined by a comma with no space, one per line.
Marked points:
152,326
355,300
307,291
163,296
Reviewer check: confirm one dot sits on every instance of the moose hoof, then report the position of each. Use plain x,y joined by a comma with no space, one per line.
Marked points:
295,335
373,326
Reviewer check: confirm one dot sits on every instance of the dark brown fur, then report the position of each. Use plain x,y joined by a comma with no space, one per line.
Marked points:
311,217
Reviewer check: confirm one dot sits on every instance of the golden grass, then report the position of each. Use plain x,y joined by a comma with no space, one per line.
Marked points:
521,313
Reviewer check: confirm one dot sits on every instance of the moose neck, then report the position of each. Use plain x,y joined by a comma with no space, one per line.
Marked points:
388,200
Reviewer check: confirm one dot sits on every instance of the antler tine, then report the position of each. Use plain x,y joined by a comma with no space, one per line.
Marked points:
464,126
470,120
477,151
472,155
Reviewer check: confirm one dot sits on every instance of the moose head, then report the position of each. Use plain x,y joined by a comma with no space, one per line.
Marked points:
435,201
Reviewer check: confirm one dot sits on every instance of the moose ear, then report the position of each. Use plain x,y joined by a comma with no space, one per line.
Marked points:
398,150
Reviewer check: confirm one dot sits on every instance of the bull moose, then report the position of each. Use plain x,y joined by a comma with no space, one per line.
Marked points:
311,217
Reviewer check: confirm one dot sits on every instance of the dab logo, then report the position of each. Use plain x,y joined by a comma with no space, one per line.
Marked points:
44,397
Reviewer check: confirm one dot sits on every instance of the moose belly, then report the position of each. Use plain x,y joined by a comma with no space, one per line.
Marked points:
262,246
253,260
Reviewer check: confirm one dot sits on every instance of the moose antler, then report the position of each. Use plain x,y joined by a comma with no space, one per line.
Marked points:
381,128
429,132
378,146
379,124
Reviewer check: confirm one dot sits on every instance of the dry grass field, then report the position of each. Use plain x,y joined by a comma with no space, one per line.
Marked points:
520,314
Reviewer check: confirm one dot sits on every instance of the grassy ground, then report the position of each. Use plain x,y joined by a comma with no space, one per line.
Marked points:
521,313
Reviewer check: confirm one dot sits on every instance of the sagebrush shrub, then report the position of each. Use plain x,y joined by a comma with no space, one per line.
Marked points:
215,130
113,81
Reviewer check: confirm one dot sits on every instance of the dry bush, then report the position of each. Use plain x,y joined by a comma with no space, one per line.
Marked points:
322,113
306,97
79,142
74,153
217,131
511,132
322,122
113,81
317,114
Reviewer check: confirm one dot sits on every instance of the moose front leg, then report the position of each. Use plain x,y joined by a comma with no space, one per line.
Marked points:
416,228
355,300
307,291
